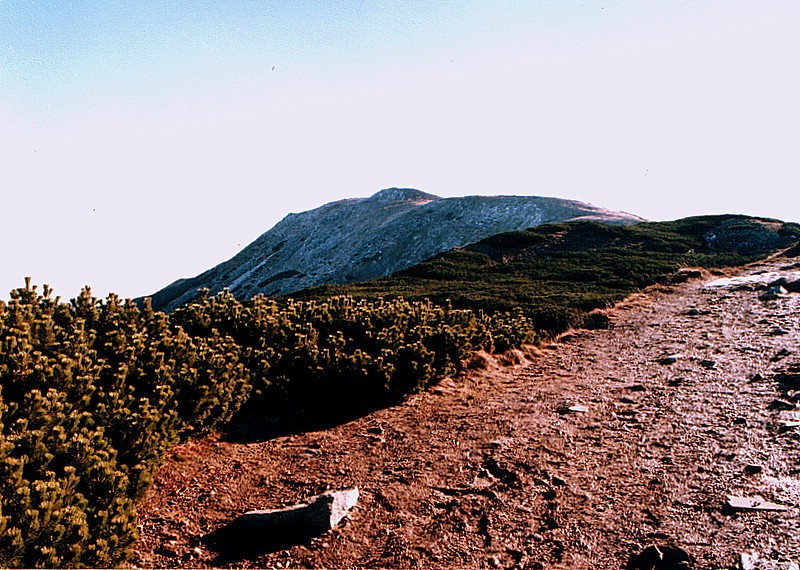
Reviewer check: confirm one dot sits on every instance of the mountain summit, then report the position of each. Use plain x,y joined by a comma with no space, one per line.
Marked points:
361,238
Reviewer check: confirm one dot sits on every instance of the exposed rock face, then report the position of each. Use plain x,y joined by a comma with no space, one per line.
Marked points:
359,239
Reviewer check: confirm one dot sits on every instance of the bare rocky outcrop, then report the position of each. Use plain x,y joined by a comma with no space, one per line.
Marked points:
360,239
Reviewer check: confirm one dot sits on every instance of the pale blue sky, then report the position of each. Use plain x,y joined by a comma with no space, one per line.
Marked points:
145,141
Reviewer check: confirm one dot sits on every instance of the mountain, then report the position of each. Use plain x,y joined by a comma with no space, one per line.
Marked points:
359,239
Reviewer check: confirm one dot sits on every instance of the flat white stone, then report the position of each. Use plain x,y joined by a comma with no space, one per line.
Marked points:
754,503
316,514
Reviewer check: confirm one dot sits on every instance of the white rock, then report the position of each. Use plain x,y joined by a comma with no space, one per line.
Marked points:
311,517
754,503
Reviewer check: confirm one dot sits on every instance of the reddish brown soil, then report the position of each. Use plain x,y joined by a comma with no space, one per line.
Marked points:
489,470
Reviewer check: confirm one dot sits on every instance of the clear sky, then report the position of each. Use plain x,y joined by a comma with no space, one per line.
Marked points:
145,141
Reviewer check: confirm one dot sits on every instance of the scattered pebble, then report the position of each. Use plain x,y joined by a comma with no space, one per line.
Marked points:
670,359
574,408
167,550
708,364
782,353
694,312
747,560
753,469
787,425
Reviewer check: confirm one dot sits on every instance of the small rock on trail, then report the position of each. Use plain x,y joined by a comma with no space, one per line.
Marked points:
754,503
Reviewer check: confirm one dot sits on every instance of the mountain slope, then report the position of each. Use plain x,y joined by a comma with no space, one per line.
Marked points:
358,239
555,273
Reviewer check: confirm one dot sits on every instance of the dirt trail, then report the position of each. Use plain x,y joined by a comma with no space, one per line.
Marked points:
493,470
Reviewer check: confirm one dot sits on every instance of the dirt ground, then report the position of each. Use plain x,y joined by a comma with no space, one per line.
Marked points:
494,470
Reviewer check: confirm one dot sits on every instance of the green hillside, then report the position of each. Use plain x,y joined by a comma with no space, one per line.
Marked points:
555,274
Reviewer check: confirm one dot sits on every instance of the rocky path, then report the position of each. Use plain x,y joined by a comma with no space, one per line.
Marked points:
581,458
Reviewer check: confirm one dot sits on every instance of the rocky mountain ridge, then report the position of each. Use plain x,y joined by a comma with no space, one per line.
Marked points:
362,238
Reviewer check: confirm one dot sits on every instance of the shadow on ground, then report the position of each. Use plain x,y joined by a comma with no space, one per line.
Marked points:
253,425
234,544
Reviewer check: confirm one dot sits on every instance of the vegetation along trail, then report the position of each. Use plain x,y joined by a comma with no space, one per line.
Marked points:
581,456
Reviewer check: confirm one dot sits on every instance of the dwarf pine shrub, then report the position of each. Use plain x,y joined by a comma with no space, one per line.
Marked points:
94,392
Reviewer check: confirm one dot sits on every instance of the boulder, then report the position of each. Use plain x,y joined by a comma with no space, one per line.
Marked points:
313,516
275,529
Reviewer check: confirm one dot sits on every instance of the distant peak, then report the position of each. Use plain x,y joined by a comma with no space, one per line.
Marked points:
402,195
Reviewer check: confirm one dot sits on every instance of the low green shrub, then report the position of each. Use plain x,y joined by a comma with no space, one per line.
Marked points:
93,393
